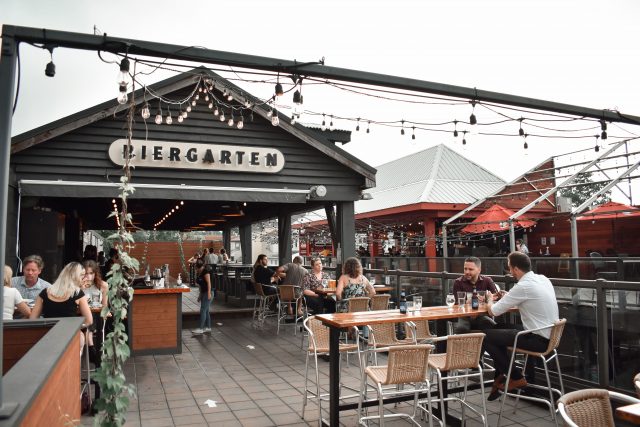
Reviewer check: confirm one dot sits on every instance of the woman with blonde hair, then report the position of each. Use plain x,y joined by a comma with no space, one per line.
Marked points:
12,298
65,296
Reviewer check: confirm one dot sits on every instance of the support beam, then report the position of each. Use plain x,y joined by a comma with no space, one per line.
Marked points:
346,224
575,251
226,241
315,69
331,222
7,76
284,237
245,243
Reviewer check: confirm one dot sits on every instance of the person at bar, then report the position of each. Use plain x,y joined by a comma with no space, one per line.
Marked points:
470,280
535,299
30,284
203,279
12,299
223,257
211,259
292,273
90,253
312,281
114,258
264,275
352,283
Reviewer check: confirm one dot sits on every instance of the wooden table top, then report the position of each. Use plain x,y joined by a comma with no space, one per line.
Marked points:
331,291
629,413
347,320
156,291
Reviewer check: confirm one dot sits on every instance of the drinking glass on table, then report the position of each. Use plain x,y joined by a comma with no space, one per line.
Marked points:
451,300
481,296
461,298
372,281
325,283
469,295
417,303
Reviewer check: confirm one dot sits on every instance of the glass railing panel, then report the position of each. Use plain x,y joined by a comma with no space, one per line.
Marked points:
623,316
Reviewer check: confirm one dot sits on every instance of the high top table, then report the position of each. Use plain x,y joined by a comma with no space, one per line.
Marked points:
339,321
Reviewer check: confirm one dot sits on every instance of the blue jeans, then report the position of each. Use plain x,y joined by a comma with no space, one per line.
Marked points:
205,315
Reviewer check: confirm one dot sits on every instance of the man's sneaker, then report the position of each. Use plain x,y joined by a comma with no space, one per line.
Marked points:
207,330
197,331
515,384
495,388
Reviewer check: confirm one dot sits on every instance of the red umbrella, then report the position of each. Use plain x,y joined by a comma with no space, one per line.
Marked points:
611,210
495,219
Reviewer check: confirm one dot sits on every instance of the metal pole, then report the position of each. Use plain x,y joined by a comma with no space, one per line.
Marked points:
512,236
7,76
575,252
445,250
313,69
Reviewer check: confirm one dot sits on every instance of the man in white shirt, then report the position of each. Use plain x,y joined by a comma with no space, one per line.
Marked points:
535,298
30,284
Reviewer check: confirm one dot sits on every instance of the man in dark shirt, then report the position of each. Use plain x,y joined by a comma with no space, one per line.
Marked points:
466,283
264,275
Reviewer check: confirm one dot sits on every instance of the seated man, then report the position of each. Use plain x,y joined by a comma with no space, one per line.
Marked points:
30,284
533,295
472,279
264,275
292,274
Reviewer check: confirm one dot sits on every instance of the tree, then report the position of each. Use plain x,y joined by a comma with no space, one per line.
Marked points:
583,188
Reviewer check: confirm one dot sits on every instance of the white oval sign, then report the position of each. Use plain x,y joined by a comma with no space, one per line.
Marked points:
183,155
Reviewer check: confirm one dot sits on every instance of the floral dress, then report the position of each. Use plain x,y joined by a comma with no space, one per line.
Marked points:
353,288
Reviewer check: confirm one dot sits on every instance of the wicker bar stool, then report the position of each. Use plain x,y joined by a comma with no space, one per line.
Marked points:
319,344
290,298
380,302
462,354
384,335
422,331
590,407
261,305
406,365
547,356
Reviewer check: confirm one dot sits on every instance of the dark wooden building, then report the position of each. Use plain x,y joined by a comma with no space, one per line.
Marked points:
64,176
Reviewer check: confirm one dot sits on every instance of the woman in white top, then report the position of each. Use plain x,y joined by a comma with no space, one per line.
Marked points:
12,298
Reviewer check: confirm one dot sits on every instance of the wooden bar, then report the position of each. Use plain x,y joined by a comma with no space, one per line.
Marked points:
155,321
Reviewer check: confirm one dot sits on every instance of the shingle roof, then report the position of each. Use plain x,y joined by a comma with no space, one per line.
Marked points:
435,175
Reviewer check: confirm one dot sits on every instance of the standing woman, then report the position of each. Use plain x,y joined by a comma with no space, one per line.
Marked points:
352,283
203,279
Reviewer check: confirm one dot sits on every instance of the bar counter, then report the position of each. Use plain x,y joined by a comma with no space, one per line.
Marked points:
155,321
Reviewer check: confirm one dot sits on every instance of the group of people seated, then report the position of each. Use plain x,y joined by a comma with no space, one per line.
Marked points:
78,285
352,283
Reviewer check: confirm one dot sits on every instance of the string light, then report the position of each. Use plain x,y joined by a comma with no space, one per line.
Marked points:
231,121
464,137
526,146
597,147
402,129
159,114
413,135
358,125
331,123
368,125
603,127
167,215
323,126
521,131
455,129
472,118
278,90
145,113
241,121
222,117
168,120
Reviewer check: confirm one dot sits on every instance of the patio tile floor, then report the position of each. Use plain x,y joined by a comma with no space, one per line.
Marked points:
257,386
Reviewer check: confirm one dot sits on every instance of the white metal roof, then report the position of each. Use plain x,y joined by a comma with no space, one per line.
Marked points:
435,175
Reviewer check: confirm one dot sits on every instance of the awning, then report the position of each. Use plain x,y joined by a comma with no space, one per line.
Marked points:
42,188
611,210
495,219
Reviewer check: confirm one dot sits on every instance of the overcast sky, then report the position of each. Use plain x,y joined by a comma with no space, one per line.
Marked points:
579,52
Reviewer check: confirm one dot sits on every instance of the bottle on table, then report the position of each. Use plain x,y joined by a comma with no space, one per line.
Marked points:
403,303
474,299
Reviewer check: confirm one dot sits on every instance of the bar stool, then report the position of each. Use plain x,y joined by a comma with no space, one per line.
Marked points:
422,331
384,335
261,305
290,298
319,344
590,407
406,365
380,302
547,356
462,354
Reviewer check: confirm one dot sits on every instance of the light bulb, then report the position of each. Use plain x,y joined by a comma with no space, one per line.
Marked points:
279,91
275,121
216,112
210,105
122,98
180,118
230,98
270,113
293,119
145,111
230,122
206,98
193,102
123,76
240,124
222,118
169,120
188,108
158,118
197,97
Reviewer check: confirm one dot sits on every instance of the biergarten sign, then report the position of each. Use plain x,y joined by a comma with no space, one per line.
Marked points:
184,155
